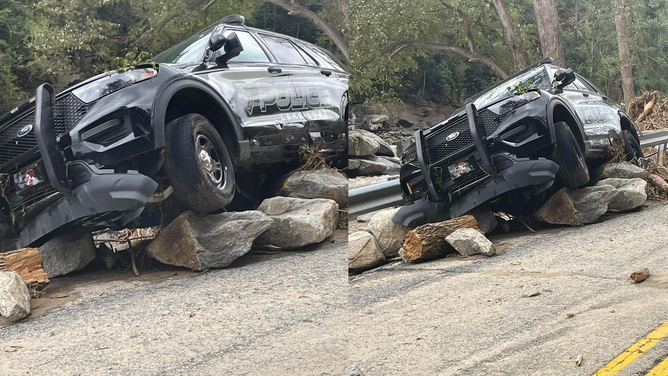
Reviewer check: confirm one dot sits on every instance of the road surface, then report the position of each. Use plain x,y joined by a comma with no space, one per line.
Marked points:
277,314
474,316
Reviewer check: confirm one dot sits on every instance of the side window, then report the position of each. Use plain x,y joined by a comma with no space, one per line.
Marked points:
252,52
284,51
575,85
307,57
325,57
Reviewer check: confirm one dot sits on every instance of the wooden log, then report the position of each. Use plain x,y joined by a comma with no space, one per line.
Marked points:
648,107
28,263
427,242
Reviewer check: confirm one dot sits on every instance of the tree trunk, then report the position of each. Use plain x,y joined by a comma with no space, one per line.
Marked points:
427,242
511,39
549,32
623,43
28,263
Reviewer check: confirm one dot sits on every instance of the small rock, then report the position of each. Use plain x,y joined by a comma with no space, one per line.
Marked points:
321,183
469,242
624,170
486,218
640,275
631,193
388,234
363,251
578,361
575,208
662,171
570,315
530,292
209,241
360,144
14,296
298,222
67,253
355,371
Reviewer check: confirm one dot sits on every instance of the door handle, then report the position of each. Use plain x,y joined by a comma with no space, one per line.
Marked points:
274,70
326,72
585,95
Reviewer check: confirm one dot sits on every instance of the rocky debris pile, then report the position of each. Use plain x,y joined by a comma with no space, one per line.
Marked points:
649,111
14,296
368,154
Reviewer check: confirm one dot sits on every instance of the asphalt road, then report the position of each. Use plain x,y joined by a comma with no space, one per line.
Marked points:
474,317
267,314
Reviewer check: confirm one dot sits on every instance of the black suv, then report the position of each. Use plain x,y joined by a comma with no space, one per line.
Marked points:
542,123
229,98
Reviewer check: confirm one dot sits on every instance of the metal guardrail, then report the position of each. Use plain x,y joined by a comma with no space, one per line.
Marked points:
387,194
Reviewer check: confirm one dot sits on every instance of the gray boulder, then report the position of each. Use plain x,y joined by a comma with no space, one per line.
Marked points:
388,234
67,253
298,222
374,165
624,170
575,208
363,252
14,296
360,144
321,183
487,221
631,193
210,241
384,147
403,144
469,242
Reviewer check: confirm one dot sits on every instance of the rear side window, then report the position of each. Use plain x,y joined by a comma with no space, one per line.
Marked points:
252,52
325,57
283,49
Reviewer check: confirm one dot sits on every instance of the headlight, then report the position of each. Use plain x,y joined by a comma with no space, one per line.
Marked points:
112,83
514,102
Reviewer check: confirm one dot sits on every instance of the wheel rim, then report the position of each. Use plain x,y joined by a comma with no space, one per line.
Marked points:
210,162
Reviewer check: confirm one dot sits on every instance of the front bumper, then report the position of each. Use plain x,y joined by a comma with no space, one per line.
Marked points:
89,195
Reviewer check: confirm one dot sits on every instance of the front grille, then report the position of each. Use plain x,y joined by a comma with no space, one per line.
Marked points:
440,150
68,111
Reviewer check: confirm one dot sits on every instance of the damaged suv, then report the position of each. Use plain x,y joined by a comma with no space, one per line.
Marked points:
229,99
541,124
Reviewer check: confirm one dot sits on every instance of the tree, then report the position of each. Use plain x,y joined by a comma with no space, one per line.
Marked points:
624,57
549,33
511,38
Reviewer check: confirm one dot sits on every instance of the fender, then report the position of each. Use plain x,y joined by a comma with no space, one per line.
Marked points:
169,89
555,101
634,127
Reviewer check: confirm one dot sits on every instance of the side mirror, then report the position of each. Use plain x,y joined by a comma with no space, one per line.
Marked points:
564,77
217,42
233,48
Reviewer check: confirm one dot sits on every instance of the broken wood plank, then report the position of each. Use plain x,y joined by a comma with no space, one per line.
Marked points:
427,242
28,263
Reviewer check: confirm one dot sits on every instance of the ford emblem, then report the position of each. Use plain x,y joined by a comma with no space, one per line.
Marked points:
452,136
25,130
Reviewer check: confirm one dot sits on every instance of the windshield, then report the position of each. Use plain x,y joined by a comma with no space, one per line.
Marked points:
190,50
533,79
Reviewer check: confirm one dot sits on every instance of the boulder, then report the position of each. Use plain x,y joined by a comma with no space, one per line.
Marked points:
662,171
624,170
360,144
631,193
210,241
67,253
375,119
363,251
388,234
575,208
298,222
469,242
486,219
321,183
384,147
374,165
403,144
14,296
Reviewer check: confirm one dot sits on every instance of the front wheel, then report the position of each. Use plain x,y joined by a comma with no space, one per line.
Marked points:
573,170
198,164
632,148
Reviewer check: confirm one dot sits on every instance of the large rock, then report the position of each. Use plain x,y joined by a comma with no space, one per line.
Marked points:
578,207
363,251
631,193
486,219
469,242
67,253
207,242
384,147
360,144
404,144
374,165
298,222
388,234
624,170
321,183
14,296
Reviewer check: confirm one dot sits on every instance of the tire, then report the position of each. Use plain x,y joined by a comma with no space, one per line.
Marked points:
573,171
198,164
631,146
